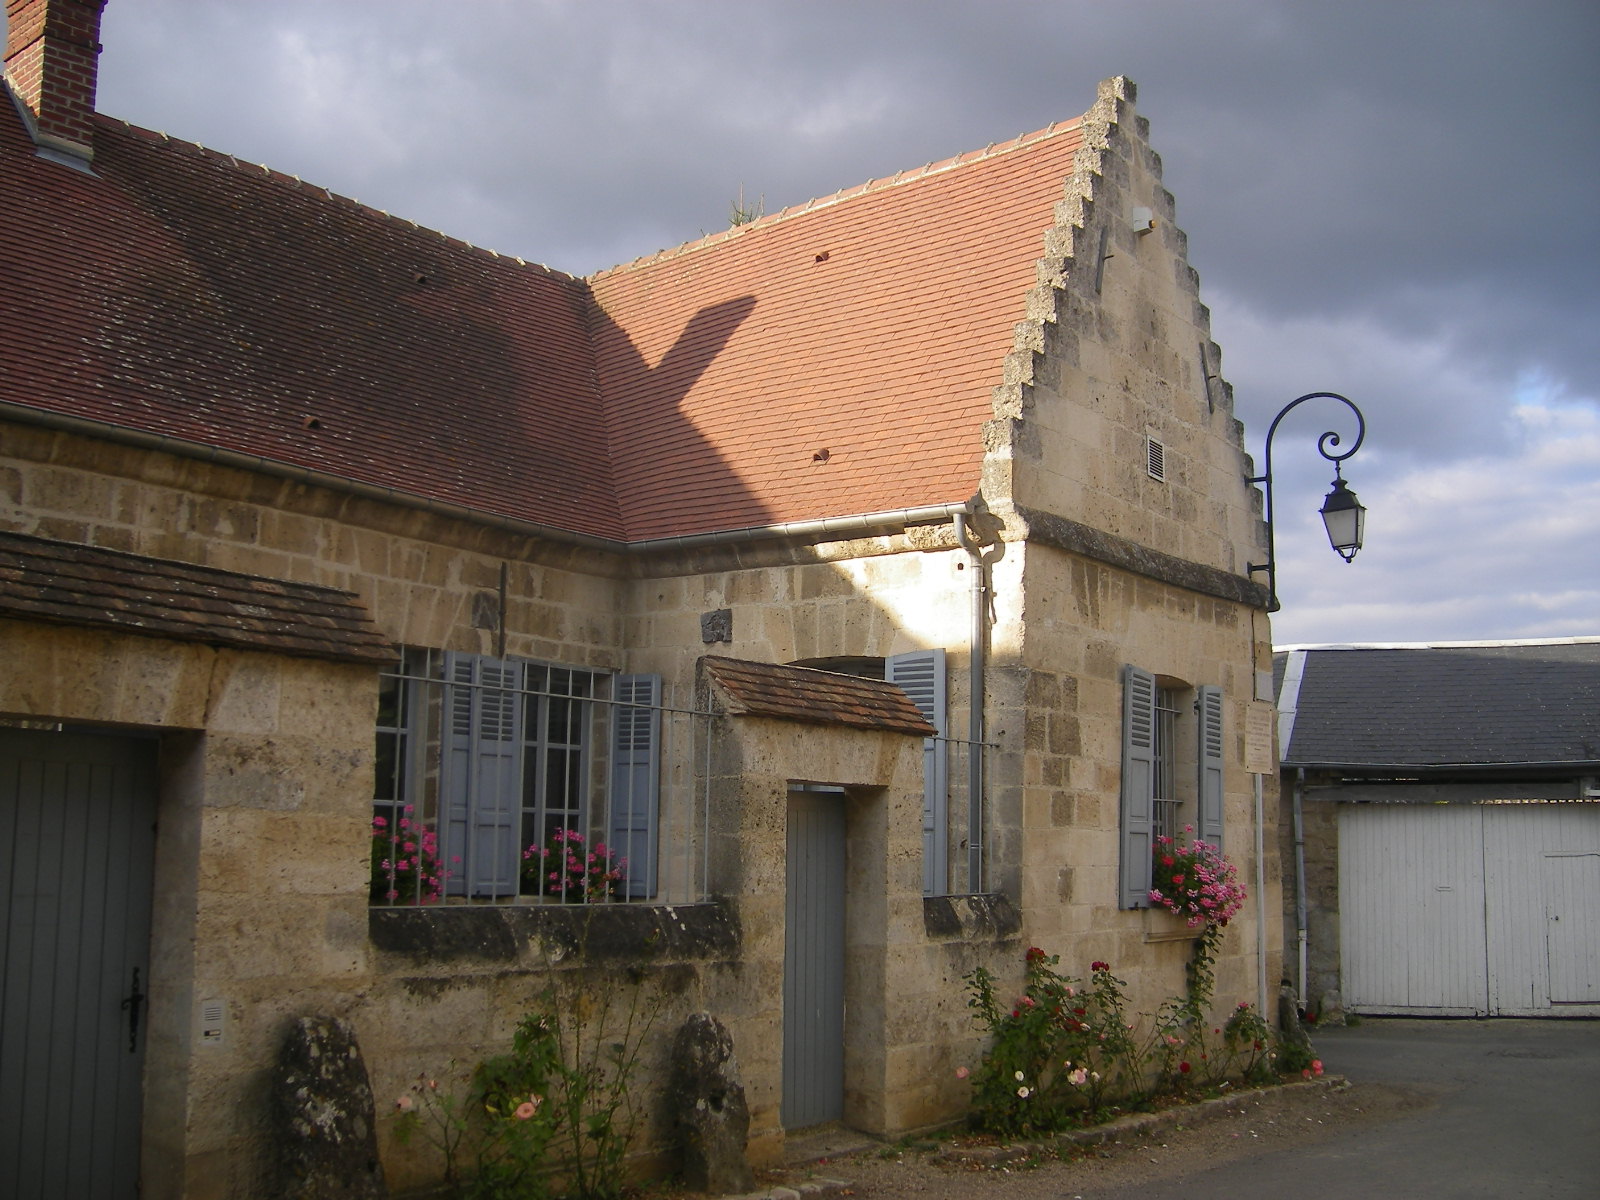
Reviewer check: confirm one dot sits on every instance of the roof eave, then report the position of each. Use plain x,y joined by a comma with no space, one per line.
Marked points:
1565,765
836,528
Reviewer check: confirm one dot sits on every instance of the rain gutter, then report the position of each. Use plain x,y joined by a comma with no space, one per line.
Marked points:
977,659
859,525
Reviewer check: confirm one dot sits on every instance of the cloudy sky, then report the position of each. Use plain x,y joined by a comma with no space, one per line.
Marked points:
1391,200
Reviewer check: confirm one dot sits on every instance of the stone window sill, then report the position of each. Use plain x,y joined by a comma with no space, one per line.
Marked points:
1163,926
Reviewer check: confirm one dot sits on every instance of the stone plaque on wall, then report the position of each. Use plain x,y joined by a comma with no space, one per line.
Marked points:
1259,725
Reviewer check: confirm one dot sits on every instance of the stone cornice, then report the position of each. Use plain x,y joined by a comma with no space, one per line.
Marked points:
1065,534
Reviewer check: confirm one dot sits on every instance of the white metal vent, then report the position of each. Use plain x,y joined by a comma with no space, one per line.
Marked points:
1155,459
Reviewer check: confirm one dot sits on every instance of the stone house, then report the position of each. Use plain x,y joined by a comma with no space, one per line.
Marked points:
1441,830
871,578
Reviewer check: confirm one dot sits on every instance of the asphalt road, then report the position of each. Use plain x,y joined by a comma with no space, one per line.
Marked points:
1515,1113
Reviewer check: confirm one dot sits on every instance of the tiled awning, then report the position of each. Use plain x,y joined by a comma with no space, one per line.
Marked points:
69,584
816,697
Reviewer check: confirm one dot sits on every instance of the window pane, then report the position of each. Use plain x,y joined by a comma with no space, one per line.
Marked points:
388,766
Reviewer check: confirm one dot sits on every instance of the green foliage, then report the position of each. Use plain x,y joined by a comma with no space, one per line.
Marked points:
1247,1045
494,1127
562,1098
740,213
1064,1050
605,1029
1054,1055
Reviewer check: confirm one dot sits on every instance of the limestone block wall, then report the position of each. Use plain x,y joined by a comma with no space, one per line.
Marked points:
1117,348
260,872
450,985
426,579
962,933
1061,691
871,597
1320,824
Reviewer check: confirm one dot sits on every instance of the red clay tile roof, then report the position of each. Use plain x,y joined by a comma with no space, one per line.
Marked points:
816,697
182,293
69,584
833,360
830,360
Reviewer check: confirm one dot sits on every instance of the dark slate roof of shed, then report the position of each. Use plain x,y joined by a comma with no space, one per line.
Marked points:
1508,704
69,584
815,697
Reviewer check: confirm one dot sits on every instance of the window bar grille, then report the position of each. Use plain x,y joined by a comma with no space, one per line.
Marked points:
561,744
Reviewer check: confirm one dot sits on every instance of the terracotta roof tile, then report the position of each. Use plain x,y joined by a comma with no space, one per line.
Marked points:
69,584
873,324
814,697
184,294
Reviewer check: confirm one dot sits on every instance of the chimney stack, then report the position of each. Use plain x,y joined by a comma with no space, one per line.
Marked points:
52,57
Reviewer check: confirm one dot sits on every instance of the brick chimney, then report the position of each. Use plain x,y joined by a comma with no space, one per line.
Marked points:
52,57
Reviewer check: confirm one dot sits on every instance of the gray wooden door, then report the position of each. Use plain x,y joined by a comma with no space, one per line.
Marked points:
77,842
813,961
1572,927
1411,909
1470,909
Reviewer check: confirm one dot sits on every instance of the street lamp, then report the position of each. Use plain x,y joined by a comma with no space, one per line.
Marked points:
1342,514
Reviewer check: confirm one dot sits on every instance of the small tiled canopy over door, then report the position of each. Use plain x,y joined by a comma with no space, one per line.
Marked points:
77,843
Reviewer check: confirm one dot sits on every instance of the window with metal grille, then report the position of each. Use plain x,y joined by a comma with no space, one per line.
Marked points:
1172,773
1168,804
499,778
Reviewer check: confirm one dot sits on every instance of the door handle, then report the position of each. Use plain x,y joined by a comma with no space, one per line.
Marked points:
131,1004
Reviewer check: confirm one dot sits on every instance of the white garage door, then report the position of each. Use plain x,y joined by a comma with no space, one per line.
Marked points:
1465,910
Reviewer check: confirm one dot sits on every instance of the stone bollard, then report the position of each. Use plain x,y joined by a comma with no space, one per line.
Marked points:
709,1109
1290,1029
326,1144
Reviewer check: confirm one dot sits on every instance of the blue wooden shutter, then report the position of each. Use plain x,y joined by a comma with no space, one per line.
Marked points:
633,827
482,787
921,674
1138,785
1210,739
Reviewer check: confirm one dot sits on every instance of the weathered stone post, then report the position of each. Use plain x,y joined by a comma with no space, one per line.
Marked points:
709,1109
326,1144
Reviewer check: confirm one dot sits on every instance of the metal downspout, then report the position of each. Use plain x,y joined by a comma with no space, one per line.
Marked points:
976,697
1300,886
1261,900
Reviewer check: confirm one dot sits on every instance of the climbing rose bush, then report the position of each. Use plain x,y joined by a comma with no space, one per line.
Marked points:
1068,1052
1195,881
1053,1051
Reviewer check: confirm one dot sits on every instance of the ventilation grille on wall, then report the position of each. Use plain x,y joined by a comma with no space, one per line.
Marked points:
1155,459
